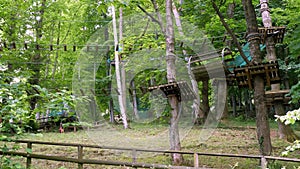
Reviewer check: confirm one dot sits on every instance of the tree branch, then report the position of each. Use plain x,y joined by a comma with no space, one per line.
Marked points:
231,33
148,14
158,16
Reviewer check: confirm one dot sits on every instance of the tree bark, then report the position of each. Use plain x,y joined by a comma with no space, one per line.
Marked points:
285,131
118,73
262,124
171,76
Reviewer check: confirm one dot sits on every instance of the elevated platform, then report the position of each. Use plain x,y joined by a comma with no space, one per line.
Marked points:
273,96
276,32
180,89
270,71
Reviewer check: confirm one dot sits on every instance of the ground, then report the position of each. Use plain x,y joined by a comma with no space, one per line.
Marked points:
230,137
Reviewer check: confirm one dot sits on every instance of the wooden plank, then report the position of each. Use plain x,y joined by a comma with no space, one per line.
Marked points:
270,92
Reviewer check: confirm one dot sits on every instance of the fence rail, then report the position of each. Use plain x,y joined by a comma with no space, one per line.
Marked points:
81,161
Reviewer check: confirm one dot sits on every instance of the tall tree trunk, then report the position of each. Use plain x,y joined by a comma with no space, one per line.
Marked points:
177,18
134,100
233,100
262,124
108,74
36,58
285,131
205,100
247,100
171,76
122,66
196,101
56,52
199,115
118,73
221,105
230,15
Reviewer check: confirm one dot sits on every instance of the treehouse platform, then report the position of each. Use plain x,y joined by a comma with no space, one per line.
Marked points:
276,32
181,89
273,96
270,71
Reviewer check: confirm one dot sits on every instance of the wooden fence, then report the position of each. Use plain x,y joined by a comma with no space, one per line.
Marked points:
81,161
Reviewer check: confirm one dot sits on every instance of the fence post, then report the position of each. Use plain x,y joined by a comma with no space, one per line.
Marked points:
196,160
134,155
28,159
263,162
80,156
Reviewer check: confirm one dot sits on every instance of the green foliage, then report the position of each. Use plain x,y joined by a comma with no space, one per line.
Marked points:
133,44
295,93
289,119
8,163
14,107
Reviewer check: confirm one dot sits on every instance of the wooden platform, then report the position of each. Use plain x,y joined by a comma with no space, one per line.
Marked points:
245,74
276,32
273,96
180,89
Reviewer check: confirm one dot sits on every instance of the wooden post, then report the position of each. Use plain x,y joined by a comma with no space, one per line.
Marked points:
28,160
80,156
196,160
134,153
263,162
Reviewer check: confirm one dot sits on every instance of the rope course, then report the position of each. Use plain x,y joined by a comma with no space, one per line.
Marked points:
88,48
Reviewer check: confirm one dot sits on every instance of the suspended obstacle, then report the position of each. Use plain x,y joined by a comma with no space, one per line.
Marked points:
210,65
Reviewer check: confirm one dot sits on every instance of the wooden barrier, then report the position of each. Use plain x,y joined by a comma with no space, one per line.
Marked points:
81,161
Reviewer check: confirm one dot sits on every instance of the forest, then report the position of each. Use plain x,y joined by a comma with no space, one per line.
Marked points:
216,77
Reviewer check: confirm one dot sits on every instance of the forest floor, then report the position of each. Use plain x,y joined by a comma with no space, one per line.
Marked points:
231,136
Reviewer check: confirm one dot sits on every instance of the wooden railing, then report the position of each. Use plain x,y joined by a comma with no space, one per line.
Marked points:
81,161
